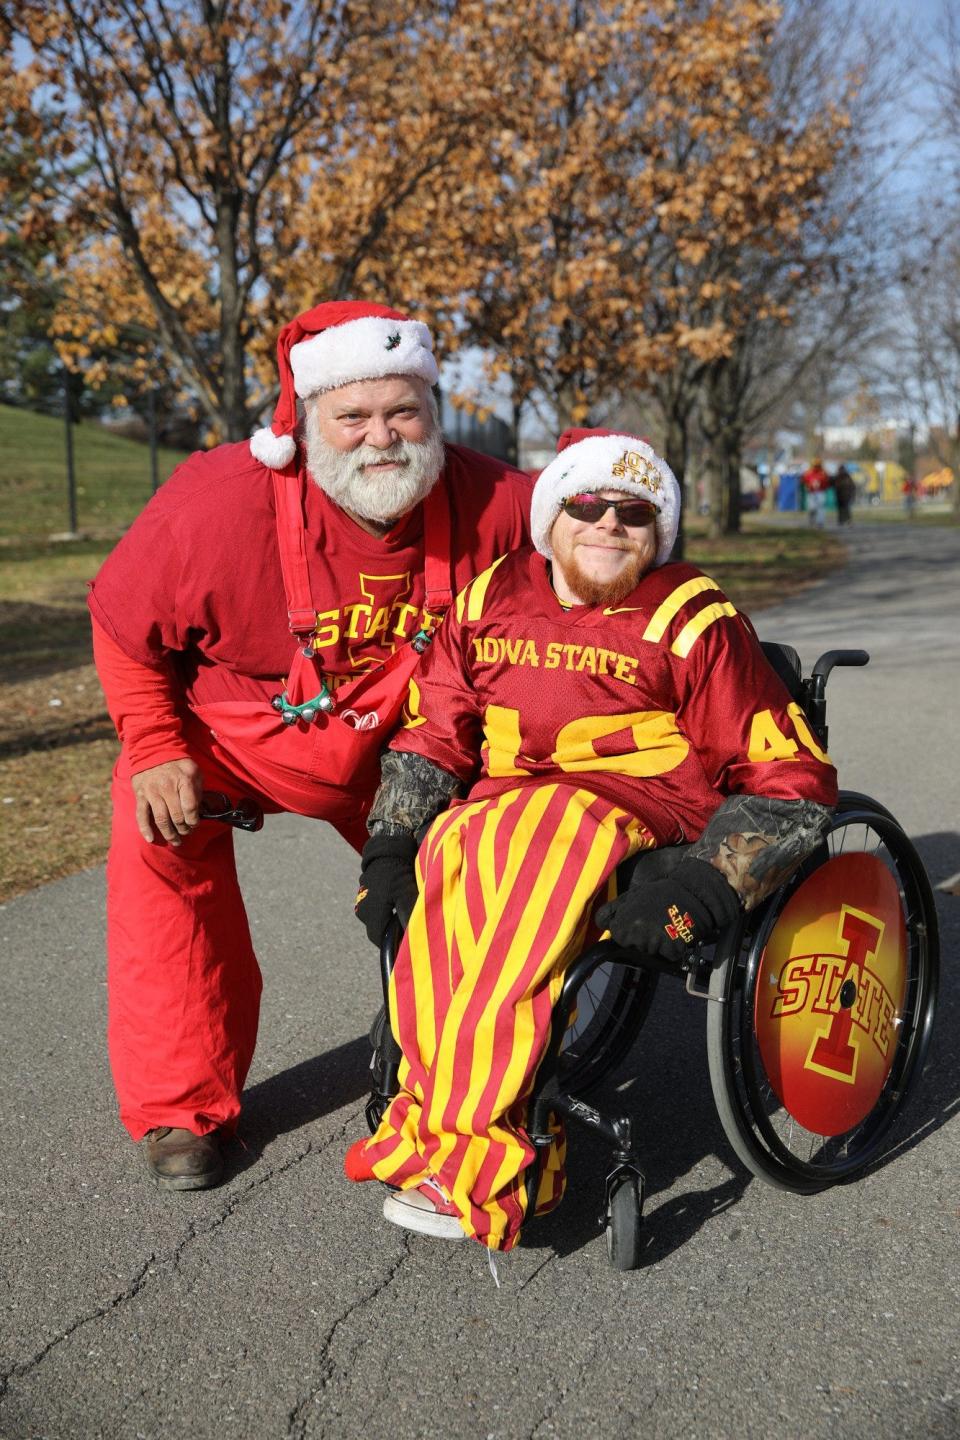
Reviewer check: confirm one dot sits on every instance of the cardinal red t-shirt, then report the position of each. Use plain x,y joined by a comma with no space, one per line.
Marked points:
197,578
662,704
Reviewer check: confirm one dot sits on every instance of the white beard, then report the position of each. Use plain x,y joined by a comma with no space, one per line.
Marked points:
381,499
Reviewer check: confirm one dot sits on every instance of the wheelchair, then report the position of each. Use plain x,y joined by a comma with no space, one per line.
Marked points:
820,1008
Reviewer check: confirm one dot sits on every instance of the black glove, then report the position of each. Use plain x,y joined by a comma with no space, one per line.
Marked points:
388,882
668,917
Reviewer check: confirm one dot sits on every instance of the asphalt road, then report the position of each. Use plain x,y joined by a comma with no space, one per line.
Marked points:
283,1305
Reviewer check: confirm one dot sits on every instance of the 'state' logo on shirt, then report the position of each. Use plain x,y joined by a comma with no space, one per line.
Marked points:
375,625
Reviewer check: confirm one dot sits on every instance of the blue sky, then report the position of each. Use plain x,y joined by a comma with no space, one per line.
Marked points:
913,27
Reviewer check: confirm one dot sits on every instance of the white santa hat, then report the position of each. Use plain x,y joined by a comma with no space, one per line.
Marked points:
590,460
332,345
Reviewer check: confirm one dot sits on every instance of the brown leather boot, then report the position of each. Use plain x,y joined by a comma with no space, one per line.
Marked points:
180,1160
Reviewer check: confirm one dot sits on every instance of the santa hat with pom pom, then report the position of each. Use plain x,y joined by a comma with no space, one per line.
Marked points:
589,460
335,344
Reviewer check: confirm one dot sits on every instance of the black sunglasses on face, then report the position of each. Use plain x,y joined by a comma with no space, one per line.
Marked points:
591,507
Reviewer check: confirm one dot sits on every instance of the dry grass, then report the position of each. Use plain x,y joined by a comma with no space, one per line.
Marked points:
57,745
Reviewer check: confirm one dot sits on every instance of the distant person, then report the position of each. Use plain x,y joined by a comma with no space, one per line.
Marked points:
909,496
254,632
816,483
845,490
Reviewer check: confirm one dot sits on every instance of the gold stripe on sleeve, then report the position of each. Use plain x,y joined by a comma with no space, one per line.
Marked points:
675,601
477,592
694,628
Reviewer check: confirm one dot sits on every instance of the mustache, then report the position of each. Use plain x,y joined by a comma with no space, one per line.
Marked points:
396,454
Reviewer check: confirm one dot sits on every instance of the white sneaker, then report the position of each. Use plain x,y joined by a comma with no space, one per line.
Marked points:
425,1209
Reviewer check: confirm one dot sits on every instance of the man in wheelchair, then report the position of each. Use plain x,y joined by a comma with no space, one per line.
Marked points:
584,700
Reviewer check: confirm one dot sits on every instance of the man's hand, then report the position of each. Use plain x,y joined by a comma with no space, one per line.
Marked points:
168,797
388,883
668,917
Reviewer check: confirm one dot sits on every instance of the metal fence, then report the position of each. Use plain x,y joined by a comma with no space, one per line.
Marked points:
491,436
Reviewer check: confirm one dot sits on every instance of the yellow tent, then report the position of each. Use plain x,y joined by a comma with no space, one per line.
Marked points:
884,478
939,480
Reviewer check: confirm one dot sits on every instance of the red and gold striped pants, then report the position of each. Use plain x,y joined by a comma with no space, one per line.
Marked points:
505,892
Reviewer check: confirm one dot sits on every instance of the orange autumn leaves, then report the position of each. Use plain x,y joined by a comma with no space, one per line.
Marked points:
581,189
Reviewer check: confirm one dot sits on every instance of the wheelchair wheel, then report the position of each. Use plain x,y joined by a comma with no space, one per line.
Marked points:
826,1001
624,1224
612,1005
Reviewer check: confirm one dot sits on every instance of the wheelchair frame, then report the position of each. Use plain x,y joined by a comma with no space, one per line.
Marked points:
764,1135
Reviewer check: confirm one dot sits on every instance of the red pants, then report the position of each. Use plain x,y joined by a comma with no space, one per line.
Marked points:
183,981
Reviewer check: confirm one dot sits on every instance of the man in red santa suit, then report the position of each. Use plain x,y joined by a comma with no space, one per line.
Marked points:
254,633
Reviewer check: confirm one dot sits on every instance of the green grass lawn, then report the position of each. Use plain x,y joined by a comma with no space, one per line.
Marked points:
113,476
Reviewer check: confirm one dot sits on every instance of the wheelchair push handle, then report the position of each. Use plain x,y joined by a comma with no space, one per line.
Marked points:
830,658
815,689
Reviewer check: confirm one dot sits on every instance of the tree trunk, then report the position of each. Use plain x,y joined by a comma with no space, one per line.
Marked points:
513,440
720,422
563,403
731,449
233,380
716,491
676,442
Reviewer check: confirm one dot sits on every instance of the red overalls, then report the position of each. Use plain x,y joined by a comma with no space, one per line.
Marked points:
184,983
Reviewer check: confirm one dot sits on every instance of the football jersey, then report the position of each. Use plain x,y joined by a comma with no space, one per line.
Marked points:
663,704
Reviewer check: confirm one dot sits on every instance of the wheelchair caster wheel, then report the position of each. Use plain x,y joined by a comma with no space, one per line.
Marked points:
624,1212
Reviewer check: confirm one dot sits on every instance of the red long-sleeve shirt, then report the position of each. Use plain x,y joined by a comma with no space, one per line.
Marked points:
142,701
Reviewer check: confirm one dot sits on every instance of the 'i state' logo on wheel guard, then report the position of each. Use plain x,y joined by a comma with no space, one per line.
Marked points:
830,990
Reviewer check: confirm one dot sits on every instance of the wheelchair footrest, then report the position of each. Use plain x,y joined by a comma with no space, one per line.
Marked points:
375,1109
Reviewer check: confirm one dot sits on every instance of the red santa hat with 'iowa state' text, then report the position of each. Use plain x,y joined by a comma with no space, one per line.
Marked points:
588,460
334,344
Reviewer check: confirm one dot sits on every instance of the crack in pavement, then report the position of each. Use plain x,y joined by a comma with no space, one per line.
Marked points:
297,1420
195,1231
198,1231
23,1367
570,1383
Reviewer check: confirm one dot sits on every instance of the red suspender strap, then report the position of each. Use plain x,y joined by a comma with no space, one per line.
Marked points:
437,568
291,539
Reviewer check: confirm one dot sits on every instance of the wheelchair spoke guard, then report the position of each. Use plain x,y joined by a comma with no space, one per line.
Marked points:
611,1006
829,994
827,1006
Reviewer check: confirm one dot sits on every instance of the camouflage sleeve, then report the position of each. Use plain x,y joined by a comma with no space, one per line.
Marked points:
412,791
756,842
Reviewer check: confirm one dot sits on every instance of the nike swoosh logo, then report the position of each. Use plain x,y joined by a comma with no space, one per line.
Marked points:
623,609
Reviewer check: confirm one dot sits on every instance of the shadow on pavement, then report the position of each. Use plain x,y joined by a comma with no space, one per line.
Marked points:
667,1093
298,1096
